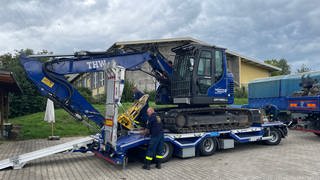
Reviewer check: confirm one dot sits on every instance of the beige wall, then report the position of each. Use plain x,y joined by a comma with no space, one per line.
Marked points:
144,81
97,91
249,72
234,67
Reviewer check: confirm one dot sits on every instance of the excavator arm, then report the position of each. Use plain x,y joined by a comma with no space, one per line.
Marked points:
49,77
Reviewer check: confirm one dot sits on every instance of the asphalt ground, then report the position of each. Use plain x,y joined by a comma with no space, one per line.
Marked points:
296,157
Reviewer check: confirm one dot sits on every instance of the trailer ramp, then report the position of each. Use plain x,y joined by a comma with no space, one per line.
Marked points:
17,162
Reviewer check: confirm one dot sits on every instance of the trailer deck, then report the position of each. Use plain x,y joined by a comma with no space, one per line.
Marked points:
181,145
297,157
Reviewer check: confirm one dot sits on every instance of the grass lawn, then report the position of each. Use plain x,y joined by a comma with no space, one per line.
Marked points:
240,101
33,126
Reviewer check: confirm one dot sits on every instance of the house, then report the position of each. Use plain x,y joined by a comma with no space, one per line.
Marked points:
243,68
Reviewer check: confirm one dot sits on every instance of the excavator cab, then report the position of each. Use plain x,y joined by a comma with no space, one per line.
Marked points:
200,76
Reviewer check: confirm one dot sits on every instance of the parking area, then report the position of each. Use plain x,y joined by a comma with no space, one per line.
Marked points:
297,157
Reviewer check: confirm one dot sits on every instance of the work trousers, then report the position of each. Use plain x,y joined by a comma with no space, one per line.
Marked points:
155,148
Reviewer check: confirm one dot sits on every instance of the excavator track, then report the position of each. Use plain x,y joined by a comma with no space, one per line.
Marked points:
205,119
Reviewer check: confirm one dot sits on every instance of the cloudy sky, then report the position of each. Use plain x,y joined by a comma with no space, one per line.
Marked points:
259,29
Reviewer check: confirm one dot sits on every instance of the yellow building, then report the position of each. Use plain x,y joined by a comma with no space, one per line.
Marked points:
243,68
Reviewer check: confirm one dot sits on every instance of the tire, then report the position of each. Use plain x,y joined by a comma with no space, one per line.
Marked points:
276,137
167,151
208,146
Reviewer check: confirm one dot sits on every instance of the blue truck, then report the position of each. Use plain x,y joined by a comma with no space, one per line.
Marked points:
293,99
198,79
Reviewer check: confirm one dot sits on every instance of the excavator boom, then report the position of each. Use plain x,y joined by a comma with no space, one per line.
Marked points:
49,77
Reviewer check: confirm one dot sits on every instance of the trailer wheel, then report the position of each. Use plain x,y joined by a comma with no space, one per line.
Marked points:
167,151
208,146
276,137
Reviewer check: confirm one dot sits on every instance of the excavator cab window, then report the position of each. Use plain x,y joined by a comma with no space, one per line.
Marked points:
182,74
204,72
218,65
204,67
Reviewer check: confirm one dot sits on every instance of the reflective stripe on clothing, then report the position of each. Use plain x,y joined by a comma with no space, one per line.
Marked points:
159,157
137,122
149,158
155,146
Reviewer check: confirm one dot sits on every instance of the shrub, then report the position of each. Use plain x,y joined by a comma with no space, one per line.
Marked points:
100,99
86,93
127,95
152,95
240,92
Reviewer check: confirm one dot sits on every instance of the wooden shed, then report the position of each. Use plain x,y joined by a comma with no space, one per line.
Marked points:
8,84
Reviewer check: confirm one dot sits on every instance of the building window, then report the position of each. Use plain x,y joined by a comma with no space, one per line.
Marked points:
101,79
95,80
91,80
88,81
83,82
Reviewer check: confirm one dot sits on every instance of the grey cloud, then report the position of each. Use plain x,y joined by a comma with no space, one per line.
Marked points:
259,29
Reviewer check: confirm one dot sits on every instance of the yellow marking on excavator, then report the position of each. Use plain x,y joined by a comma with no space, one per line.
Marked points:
128,118
47,82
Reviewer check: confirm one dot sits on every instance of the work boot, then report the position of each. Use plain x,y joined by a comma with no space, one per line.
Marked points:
146,165
158,165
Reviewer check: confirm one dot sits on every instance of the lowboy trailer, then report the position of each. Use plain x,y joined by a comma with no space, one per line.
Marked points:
198,144
179,145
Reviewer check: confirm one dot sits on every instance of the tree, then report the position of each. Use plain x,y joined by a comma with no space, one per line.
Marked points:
303,68
282,63
29,101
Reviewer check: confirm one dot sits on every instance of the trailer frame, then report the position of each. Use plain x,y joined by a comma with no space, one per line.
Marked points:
186,145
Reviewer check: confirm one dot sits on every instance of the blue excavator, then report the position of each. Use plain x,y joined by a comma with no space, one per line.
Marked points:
197,80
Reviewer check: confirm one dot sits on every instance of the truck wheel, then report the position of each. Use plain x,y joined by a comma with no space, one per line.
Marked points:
167,151
208,146
276,138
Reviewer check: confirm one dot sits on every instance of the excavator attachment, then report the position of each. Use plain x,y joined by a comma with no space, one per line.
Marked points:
129,118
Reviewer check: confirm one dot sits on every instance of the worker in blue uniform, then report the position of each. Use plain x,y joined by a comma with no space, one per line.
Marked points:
155,147
142,118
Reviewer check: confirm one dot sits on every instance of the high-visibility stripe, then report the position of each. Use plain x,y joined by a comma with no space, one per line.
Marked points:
159,157
108,122
149,158
137,122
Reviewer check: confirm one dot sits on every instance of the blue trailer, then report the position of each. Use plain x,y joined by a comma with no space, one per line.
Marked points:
285,98
184,145
188,145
